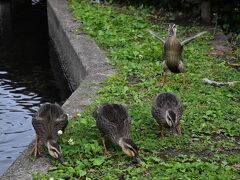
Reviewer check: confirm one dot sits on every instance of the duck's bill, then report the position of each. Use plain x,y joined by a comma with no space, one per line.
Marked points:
62,160
137,159
174,131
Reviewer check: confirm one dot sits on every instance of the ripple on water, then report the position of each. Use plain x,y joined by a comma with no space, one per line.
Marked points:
3,72
15,123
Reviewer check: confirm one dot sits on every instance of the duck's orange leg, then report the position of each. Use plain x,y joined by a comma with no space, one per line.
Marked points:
106,152
161,134
36,149
164,75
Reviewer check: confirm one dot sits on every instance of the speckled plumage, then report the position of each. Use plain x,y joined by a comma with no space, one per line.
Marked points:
48,120
173,55
166,102
173,48
113,121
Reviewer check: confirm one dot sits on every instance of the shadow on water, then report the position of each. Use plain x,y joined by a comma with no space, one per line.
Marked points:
30,74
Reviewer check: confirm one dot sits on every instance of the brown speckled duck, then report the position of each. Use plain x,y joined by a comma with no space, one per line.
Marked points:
173,49
167,110
113,122
49,122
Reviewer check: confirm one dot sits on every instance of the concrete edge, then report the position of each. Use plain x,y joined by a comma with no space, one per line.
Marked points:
93,69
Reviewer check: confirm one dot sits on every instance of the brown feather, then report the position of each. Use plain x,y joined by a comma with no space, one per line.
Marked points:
48,120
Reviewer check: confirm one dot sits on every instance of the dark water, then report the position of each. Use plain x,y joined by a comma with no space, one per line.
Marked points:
29,74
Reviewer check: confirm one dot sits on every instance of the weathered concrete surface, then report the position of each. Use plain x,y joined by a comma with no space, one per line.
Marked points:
85,67
73,46
23,167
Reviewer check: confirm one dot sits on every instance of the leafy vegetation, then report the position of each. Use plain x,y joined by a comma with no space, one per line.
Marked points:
209,147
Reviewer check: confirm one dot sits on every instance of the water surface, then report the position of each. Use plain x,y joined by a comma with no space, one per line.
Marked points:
29,74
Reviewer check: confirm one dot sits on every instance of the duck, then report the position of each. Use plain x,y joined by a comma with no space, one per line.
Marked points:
172,54
167,110
49,122
113,122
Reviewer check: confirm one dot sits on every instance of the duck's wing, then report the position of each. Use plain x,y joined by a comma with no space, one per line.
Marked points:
156,36
180,108
122,120
61,123
112,120
125,128
106,127
39,125
158,114
188,40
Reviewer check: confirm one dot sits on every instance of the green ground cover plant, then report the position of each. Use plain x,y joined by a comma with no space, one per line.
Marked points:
209,147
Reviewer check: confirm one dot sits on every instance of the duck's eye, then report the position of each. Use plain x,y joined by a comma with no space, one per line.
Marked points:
131,149
54,150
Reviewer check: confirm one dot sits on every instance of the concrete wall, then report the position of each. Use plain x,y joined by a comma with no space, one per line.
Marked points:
71,63
85,67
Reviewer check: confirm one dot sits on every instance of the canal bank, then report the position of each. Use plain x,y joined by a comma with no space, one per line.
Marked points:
85,67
